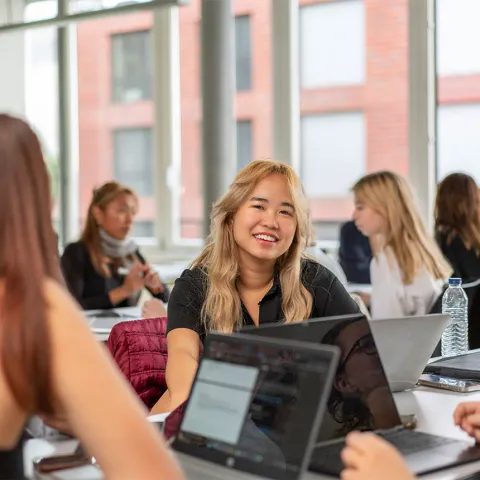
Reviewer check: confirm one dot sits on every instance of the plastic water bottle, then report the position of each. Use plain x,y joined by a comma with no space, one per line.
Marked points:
455,303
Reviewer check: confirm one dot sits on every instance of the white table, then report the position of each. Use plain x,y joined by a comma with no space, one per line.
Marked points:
433,409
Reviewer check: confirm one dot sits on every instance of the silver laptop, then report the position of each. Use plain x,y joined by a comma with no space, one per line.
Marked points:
255,407
405,346
102,321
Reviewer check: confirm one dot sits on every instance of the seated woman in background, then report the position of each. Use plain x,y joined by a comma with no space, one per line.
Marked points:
91,266
457,230
251,271
457,224
50,362
407,270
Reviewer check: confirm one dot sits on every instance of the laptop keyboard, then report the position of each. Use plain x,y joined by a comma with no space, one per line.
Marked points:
327,459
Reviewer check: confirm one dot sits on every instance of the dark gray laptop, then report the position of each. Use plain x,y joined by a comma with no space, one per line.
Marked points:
102,321
256,405
361,399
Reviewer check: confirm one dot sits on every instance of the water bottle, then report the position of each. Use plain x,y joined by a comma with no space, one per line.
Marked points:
455,303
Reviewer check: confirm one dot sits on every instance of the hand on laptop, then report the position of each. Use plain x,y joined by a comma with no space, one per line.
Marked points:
154,308
467,417
368,457
58,421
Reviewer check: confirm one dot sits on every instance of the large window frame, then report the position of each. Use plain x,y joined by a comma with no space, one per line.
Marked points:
167,132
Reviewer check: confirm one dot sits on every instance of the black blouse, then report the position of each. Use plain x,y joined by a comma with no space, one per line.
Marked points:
89,287
188,295
465,262
11,463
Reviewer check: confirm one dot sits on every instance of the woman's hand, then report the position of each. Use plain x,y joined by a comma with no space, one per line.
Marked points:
135,280
467,417
153,282
368,457
154,308
58,421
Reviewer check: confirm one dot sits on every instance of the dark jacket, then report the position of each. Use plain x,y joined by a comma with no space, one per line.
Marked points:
354,253
90,288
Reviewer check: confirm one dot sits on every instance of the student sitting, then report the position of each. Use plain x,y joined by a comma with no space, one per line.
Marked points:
251,271
354,254
407,270
92,266
457,224
50,363
368,457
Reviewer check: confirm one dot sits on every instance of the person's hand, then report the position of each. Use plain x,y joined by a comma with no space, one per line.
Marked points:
467,417
58,421
154,308
368,457
135,279
152,281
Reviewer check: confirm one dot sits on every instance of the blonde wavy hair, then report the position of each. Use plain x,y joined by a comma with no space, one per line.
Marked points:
391,196
222,310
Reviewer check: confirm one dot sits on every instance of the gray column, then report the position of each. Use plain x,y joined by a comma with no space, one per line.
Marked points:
422,104
218,89
286,85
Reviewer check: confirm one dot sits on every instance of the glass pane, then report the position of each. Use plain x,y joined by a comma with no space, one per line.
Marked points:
244,143
21,11
243,52
29,89
353,101
78,6
458,87
115,138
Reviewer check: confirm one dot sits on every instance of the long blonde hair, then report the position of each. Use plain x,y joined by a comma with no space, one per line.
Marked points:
102,196
222,310
391,196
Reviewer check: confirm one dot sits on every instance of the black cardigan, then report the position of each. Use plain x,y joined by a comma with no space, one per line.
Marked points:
89,287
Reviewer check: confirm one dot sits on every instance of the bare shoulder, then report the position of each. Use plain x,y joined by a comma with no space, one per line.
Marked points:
65,315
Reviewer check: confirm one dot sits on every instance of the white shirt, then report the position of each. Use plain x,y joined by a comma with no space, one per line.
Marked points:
391,297
328,262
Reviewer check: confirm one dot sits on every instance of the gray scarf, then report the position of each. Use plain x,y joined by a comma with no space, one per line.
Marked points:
115,248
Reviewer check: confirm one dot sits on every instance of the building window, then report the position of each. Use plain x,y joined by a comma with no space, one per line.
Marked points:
244,143
132,66
458,147
143,229
458,37
133,159
243,52
333,153
332,44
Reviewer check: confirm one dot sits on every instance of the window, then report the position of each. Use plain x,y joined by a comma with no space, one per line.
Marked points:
244,143
143,229
458,140
243,52
458,37
333,153
332,44
133,159
132,66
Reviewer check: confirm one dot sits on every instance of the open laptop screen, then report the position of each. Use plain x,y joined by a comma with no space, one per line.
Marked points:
255,404
360,397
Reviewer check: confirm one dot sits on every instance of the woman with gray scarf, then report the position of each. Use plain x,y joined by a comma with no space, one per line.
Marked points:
92,267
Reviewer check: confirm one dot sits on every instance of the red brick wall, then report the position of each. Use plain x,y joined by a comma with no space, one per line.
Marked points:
383,98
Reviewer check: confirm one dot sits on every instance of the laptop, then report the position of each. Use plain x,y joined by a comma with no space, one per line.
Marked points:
102,321
405,346
255,406
361,399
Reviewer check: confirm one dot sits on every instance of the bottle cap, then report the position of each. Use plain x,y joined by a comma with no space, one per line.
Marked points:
455,281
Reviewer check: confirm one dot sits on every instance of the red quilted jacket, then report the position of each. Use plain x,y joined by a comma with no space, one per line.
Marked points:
140,349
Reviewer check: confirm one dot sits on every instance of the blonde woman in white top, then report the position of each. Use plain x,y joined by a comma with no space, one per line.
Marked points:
407,269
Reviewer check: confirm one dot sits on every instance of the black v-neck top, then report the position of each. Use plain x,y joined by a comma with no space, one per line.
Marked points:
188,295
11,463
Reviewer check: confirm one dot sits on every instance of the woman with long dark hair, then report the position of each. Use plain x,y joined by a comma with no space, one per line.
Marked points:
50,363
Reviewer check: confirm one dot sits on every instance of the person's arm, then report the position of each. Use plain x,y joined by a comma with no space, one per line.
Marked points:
115,432
183,339
155,285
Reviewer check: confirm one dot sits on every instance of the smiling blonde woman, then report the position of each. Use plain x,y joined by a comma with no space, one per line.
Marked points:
253,270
